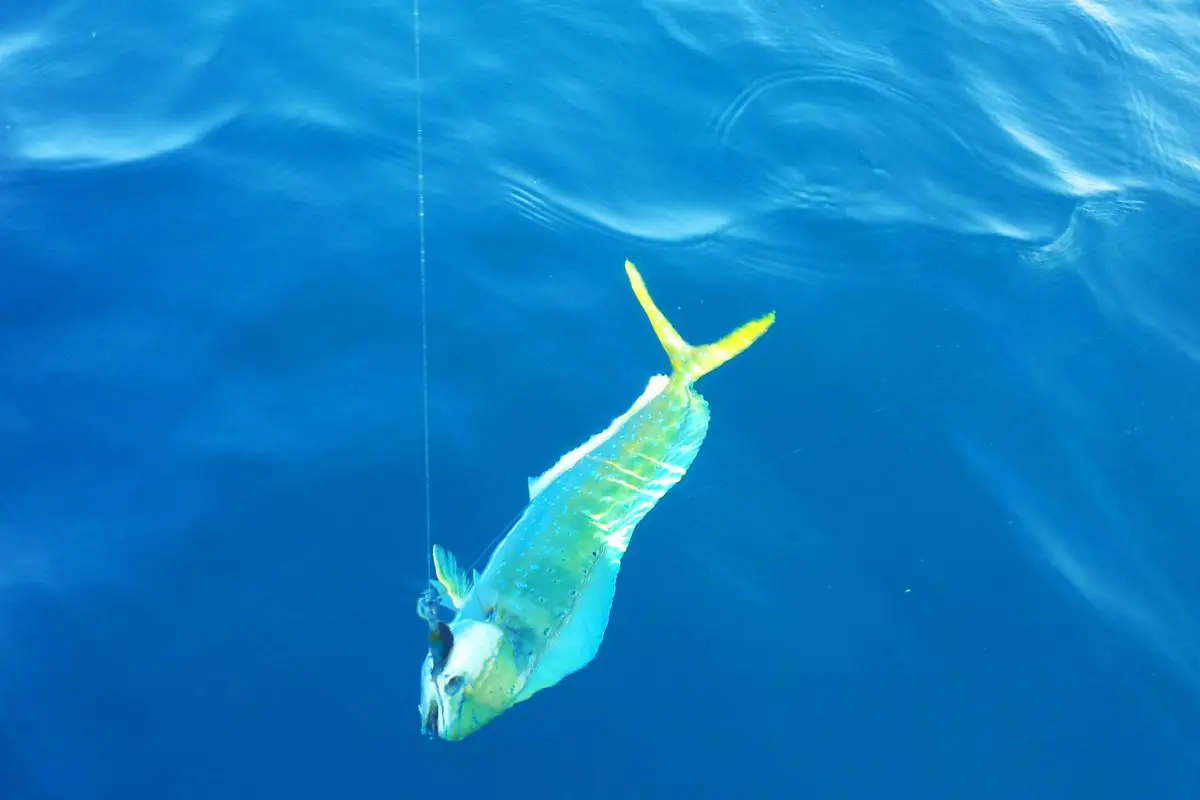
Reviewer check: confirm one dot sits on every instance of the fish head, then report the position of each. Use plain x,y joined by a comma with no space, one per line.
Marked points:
468,679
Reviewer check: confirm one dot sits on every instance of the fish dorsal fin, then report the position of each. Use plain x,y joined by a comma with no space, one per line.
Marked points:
451,577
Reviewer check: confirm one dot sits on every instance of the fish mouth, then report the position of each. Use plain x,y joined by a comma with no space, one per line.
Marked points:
431,721
431,717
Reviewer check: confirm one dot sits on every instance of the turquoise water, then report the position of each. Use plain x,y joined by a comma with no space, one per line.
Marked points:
942,540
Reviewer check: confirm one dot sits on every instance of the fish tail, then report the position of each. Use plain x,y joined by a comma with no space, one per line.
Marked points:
690,362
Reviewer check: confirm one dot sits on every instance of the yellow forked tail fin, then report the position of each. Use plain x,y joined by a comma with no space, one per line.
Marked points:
691,362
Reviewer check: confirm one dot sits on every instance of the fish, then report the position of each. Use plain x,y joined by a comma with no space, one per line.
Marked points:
538,611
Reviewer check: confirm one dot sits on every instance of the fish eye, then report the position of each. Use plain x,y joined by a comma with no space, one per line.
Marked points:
454,684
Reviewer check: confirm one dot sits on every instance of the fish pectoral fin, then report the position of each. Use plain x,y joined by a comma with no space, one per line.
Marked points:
452,580
691,362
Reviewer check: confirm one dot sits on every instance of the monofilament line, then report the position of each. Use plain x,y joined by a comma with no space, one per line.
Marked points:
424,293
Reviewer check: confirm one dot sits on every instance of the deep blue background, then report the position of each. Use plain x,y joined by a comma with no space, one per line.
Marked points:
943,540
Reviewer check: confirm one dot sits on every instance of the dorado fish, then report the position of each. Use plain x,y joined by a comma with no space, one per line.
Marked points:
539,609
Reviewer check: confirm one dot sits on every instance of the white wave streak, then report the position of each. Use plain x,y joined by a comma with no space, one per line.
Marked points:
65,105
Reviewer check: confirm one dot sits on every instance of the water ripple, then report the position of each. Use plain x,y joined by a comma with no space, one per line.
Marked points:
55,73
680,224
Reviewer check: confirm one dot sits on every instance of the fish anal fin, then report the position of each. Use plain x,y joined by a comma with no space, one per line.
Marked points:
579,640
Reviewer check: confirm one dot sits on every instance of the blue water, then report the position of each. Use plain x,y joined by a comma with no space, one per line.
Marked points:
942,542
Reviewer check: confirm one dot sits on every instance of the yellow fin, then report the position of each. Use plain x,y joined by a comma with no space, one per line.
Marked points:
690,362
453,580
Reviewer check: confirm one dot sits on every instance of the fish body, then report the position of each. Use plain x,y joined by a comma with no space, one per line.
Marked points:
539,609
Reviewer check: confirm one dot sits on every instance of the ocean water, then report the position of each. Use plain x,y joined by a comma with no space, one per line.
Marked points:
942,541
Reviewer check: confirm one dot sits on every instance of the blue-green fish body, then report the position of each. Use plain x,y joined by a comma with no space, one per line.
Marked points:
539,609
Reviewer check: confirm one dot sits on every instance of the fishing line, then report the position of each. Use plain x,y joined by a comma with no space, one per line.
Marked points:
424,306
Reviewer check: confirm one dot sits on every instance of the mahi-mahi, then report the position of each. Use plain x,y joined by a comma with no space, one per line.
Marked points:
539,609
